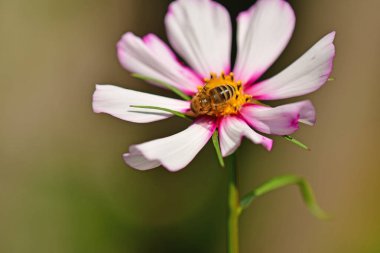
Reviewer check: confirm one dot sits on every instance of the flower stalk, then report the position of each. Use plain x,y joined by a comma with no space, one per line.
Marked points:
233,207
237,206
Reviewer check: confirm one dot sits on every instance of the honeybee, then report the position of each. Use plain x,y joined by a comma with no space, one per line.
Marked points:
219,96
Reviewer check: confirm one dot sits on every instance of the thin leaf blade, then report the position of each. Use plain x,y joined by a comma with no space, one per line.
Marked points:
175,113
215,141
283,181
296,142
168,86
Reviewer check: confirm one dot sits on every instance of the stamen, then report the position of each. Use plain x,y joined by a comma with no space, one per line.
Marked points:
219,96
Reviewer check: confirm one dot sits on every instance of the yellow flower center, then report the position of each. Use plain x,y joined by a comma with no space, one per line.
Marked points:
220,95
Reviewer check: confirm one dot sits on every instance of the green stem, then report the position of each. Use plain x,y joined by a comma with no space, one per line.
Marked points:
233,207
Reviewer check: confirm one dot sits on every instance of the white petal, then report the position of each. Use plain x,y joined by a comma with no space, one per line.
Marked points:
303,76
117,101
280,120
138,161
263,32
231,131
200,31
151,57
173,152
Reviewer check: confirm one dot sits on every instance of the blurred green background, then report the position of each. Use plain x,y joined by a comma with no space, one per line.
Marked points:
65,188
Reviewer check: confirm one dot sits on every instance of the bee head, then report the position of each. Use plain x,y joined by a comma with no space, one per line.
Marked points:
201,104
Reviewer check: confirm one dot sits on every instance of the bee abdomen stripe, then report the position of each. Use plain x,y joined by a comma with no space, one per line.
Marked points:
231,89
222,93
225,92
215,95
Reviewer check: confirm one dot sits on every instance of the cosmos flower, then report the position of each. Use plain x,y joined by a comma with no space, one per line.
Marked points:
223,99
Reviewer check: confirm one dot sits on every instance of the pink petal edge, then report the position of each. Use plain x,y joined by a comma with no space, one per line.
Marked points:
264,31
150,56
232,129
307,74
117,102
200,31
280,120
174,152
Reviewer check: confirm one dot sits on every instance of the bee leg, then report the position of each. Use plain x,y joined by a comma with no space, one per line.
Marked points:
191,113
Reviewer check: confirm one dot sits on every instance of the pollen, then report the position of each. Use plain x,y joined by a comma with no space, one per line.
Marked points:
219,96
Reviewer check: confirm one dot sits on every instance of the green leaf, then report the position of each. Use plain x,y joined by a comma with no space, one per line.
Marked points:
215,141
168,86
283,181
295,141
331,79
178,114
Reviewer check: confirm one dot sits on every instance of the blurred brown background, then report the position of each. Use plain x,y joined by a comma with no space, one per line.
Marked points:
65,188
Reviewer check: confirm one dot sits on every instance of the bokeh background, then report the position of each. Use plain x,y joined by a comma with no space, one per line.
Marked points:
65,188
